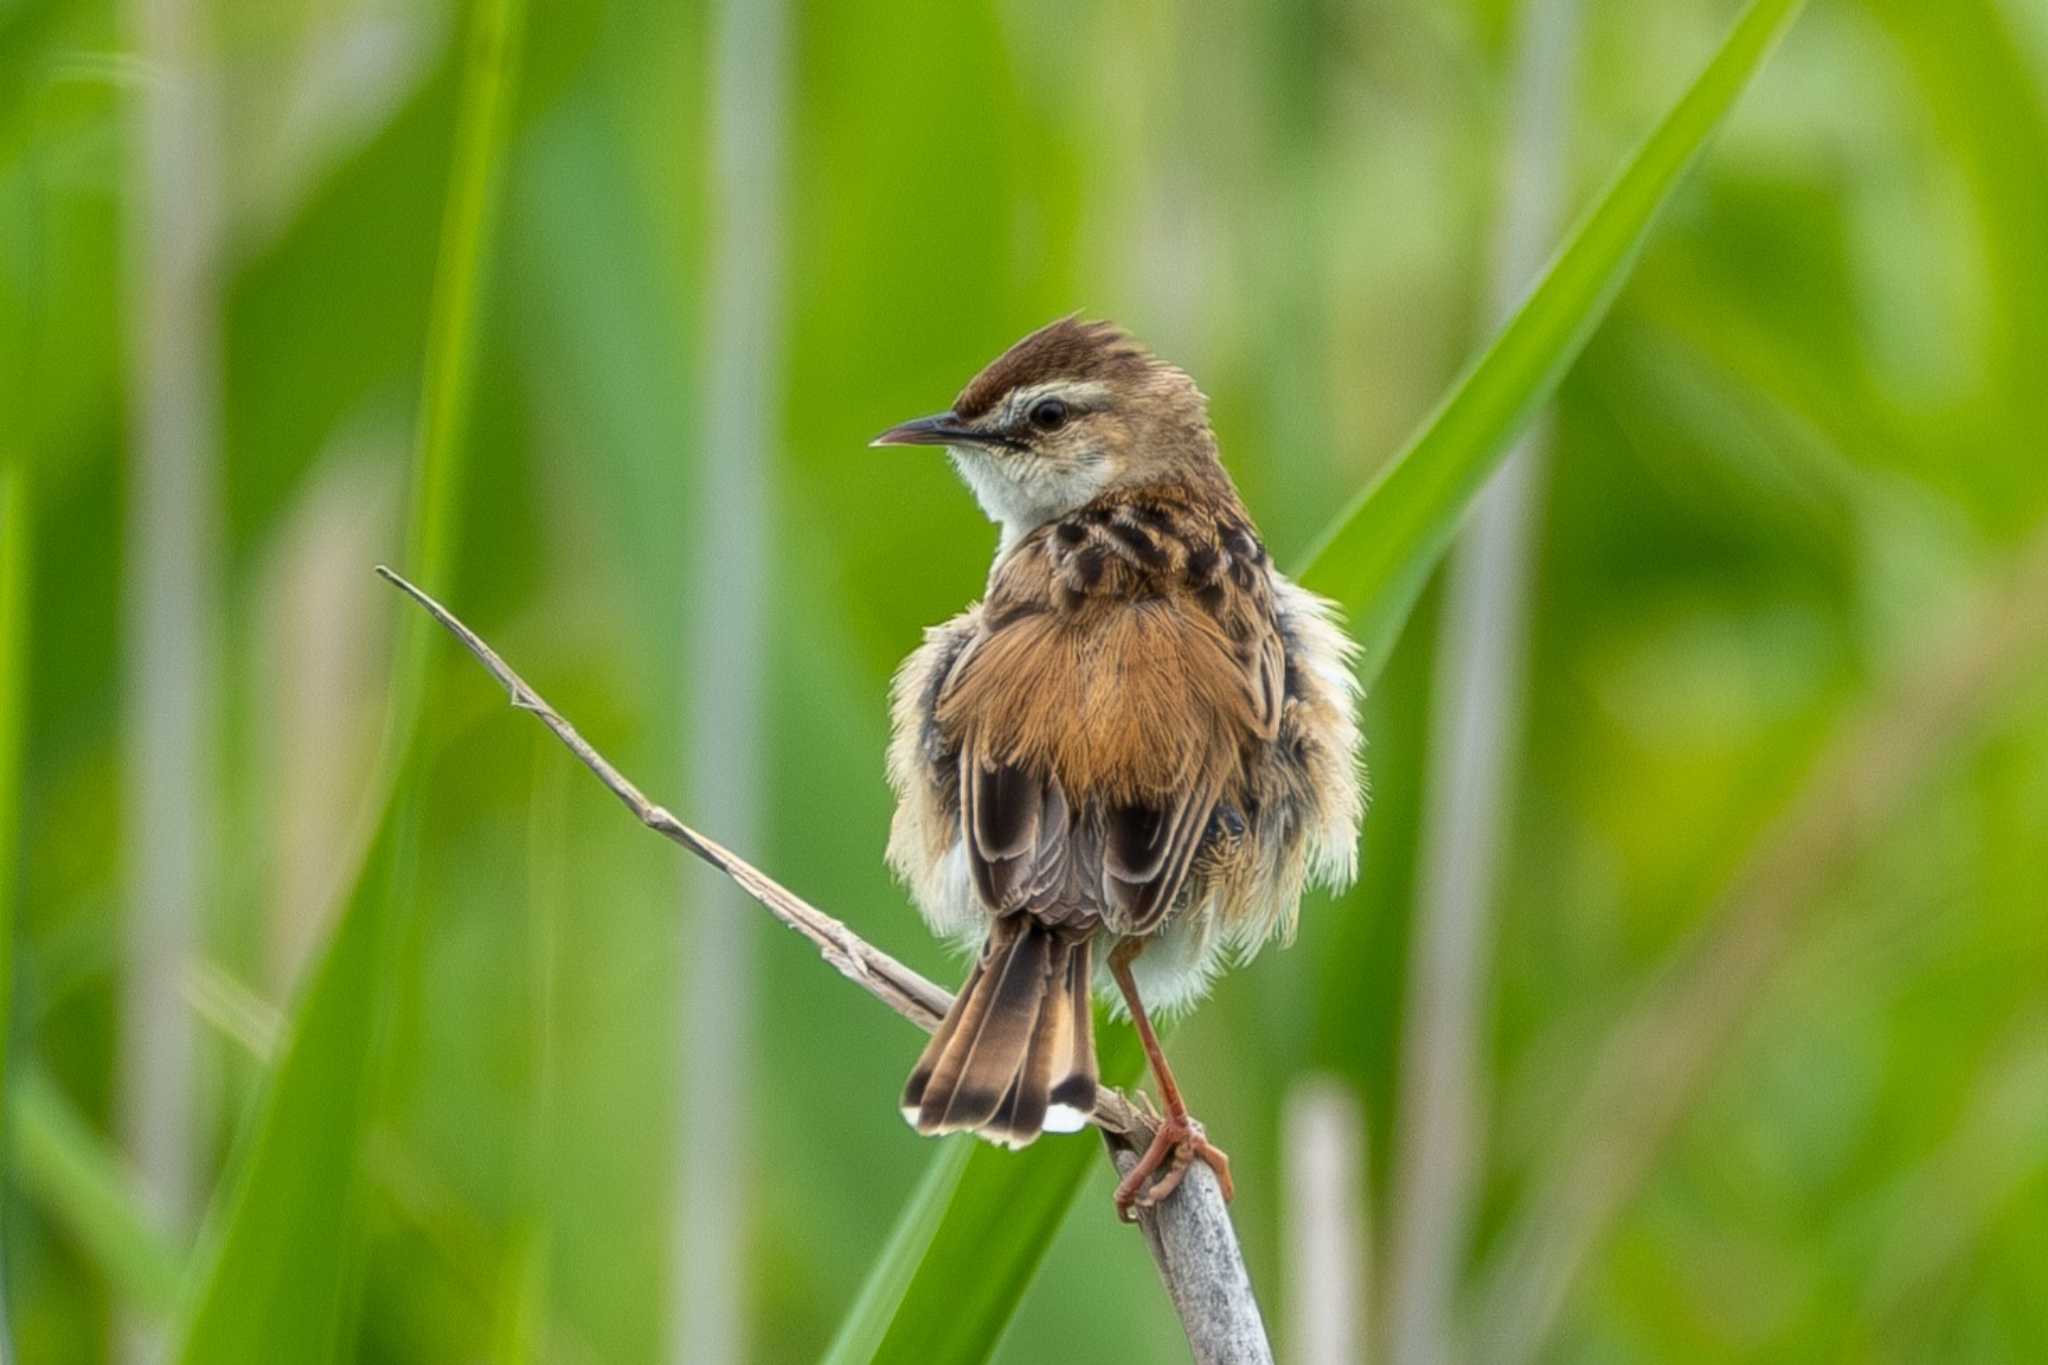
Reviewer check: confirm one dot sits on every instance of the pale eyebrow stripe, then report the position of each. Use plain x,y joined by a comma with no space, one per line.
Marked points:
1082,393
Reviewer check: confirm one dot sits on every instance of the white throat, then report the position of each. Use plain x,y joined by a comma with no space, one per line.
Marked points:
1020,495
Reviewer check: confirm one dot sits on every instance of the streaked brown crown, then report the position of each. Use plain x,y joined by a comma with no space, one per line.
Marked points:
1067,349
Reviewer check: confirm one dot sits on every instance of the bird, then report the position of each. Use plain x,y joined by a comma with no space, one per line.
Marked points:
1122,765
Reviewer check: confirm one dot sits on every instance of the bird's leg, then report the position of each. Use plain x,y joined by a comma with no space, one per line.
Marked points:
1179,1139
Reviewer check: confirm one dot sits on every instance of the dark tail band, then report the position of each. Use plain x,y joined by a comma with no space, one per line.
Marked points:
1015,1056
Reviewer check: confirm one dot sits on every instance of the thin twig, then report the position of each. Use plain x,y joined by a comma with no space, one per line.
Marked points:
880,975
874,971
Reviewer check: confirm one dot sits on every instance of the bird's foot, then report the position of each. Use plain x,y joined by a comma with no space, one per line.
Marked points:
1178,1141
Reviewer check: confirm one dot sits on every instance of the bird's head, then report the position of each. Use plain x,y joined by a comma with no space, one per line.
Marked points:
1074,410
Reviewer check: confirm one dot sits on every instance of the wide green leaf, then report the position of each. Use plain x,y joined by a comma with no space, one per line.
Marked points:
1377,554
971,1188
1020,1198
1373,559
278,1271
866,1325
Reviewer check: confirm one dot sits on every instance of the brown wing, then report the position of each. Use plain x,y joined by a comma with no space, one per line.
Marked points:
1147,854
1125,659
1015,822
1119,863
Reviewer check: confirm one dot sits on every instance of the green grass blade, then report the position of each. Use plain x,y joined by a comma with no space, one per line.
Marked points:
468,233
53,1153
1376,556
1374,559
866,1325
16,540
971,1239
277,1278
16,548
59,1161
987,1245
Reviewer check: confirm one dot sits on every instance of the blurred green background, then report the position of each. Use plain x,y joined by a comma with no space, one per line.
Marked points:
1814,420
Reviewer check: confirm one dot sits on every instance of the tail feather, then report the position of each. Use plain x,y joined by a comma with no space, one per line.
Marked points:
1032,1089
1016,1054
967,1087
1073,1091
921,1074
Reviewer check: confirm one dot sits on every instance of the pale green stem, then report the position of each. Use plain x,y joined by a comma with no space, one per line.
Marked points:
725,651
1475,733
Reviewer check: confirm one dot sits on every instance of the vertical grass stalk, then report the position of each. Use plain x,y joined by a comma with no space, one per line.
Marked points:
732,539
171,600
523,1311
86,1189
1377,554
280,1273
17,548
468,234
1476,727
1328,1240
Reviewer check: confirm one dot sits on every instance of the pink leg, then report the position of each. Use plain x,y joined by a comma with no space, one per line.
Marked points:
1180,1139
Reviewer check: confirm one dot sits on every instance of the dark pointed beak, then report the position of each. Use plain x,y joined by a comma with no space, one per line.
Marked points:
945,429
939,429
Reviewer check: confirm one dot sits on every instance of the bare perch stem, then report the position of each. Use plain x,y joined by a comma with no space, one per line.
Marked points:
1194,1244
903,990
1189,1234
882,976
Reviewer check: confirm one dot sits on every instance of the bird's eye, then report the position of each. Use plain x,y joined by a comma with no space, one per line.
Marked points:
1048,414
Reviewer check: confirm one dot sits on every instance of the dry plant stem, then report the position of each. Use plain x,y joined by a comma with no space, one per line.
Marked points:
874,971
880,975
1195,1246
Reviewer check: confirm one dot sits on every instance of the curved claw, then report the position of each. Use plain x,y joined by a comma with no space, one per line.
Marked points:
1177,1142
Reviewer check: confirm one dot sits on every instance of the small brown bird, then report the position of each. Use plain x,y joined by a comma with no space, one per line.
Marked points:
1143,737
